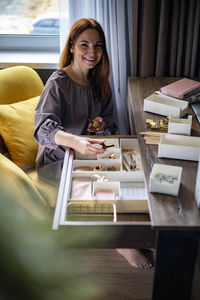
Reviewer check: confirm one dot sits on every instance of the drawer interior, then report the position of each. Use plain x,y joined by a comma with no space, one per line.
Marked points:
114,178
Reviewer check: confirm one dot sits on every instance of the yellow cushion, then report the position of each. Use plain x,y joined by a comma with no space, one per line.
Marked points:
19,83
48,192
22,189
16,129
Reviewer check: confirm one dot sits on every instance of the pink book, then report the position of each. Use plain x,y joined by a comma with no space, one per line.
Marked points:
180,88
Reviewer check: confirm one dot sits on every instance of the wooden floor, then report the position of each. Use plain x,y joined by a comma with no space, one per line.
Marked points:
114,277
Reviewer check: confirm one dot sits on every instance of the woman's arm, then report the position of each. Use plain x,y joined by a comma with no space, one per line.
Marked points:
49,131
48,114
81,144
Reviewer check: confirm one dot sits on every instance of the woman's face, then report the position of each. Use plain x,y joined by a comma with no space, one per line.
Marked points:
87,49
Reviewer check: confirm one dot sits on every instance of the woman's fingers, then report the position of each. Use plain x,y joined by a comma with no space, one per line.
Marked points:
96,141
86,146
96,149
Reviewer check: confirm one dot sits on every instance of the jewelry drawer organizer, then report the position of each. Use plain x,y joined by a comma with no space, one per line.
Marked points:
98,187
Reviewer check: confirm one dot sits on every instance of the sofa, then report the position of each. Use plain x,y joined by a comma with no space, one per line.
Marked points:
20,89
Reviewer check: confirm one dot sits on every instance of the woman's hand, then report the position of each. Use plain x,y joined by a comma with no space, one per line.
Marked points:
81,144
96,125
87,146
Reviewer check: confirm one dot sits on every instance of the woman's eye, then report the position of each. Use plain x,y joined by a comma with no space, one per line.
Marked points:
84,45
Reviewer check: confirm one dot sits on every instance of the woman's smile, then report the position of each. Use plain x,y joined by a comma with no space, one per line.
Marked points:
90,61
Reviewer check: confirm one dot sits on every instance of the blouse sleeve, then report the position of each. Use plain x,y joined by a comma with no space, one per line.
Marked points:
48,116
108,115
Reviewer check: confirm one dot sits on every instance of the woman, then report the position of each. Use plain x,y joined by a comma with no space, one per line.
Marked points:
76,93
79,91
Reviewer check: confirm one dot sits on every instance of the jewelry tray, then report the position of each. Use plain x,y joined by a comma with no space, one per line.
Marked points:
131,196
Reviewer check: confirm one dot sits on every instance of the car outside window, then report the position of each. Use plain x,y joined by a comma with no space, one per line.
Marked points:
45,23
56,23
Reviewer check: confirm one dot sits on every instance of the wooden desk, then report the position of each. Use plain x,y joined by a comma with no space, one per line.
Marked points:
175,219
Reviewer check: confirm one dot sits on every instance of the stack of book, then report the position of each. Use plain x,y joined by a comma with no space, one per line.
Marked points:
174,99
183,89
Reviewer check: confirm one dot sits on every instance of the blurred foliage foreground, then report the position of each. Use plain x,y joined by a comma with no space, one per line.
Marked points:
39,263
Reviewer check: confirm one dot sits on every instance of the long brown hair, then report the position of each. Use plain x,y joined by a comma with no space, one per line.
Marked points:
99,75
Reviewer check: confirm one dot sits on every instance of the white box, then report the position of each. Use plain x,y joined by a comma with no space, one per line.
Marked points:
122,176
133,195
179,147
180,126
165,105
104,163
134,198
133,145
165,179
109,186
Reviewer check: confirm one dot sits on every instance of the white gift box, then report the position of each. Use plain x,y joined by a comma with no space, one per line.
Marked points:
165,105
179,147
165,179
180,126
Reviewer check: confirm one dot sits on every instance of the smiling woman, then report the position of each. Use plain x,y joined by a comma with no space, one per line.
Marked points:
75,94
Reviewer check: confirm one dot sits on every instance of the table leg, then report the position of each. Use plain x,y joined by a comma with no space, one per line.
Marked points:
175,262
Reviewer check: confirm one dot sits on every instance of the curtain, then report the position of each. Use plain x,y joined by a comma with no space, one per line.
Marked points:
166,38
115,16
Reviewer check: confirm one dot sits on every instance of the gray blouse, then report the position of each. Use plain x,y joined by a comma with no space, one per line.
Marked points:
64,105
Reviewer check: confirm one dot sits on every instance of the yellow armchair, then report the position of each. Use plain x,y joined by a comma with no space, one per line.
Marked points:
20,89
18,84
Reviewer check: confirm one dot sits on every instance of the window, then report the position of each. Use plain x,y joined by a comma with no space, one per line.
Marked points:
17,16
29,26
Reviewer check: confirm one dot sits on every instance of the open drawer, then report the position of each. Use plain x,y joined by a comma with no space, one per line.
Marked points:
95,190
